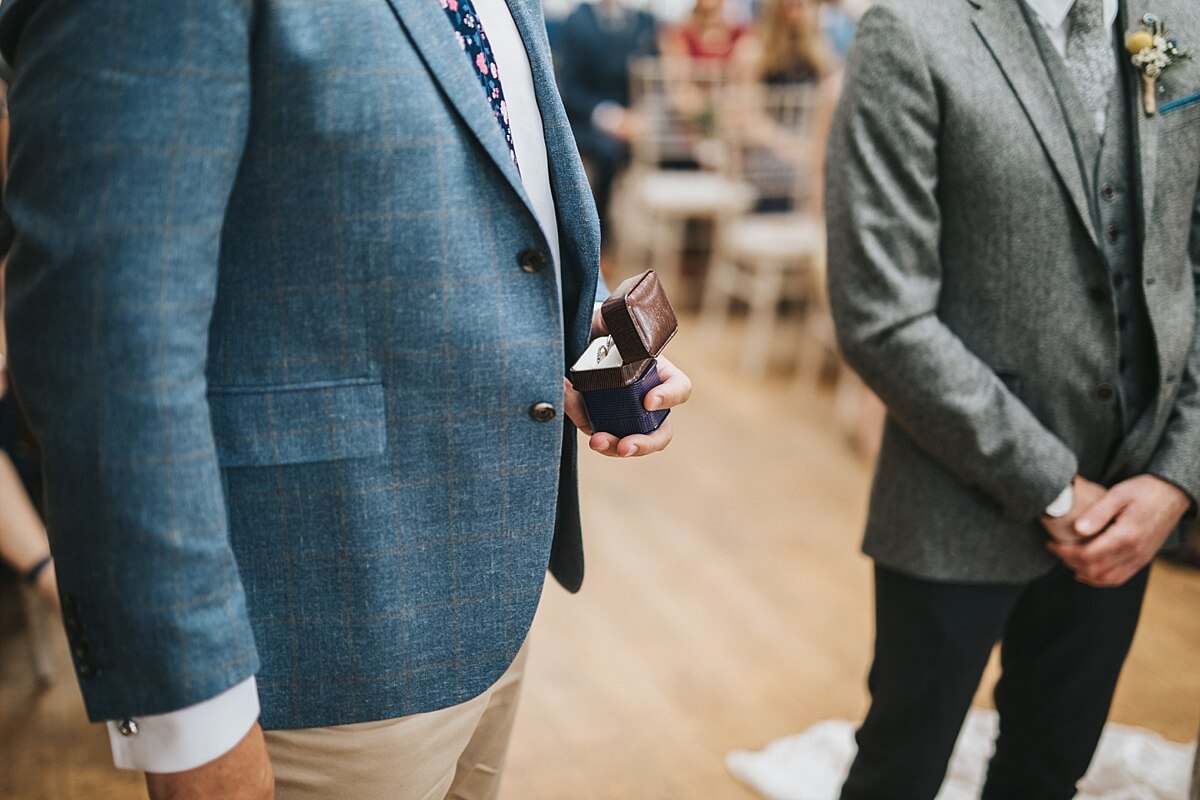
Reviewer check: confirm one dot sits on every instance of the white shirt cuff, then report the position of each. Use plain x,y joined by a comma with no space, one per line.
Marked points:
188,738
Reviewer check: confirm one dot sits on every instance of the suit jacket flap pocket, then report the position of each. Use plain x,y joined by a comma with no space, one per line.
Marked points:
263,426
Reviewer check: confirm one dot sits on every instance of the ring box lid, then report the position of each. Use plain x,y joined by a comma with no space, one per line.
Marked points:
608,377
640,318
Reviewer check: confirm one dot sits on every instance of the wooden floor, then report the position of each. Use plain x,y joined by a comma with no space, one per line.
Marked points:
726,604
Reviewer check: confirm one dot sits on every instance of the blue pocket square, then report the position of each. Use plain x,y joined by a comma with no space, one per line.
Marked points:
1182,102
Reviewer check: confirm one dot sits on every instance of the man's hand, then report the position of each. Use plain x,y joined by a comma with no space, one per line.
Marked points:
244,773
1124,530
1062,529
675,389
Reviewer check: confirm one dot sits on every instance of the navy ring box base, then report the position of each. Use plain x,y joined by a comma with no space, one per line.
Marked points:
615,372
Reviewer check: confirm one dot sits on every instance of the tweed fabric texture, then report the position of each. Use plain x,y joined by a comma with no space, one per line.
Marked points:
970,290
275,339
1090,59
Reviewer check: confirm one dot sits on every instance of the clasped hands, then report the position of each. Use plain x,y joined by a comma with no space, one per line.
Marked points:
1111,534
674,390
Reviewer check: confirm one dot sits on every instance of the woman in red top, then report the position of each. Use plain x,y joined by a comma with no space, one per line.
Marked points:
706,34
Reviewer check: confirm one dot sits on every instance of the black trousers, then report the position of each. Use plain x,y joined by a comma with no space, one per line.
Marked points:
1062,647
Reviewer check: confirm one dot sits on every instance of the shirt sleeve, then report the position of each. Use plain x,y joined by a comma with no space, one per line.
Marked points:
187,738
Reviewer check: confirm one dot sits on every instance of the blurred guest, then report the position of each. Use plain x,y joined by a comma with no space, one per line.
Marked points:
706,35
292,297
594,48
1033,337
785,142
838,25
788,49
23,544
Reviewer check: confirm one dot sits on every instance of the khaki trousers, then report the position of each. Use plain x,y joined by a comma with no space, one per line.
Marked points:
453,754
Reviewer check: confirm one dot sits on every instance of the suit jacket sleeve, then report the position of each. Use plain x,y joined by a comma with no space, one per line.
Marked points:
129,122
885,274
1178,456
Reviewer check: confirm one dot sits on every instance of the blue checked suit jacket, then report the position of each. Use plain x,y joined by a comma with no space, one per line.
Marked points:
279,311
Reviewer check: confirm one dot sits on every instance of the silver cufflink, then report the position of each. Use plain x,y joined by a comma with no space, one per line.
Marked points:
128,727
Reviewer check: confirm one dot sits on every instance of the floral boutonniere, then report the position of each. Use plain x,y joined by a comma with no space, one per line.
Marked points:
1153,53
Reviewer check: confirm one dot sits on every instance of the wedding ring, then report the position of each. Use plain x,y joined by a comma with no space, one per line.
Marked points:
601,354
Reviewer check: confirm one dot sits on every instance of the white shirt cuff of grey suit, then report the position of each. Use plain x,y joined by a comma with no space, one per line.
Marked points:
187,738
1062,504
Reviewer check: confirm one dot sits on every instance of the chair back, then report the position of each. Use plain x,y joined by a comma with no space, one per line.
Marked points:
769,142
678,104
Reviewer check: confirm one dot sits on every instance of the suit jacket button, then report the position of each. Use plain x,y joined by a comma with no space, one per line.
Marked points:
542,412
1105,392
531,261
87,670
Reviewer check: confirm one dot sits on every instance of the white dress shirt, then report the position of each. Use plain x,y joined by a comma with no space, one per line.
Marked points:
525,118
185,739
1053,16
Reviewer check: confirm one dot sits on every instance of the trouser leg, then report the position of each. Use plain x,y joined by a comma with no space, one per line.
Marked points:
418,757
1062,653
932,643
477,776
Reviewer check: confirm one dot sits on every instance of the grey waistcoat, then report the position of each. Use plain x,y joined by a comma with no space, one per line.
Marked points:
1108,167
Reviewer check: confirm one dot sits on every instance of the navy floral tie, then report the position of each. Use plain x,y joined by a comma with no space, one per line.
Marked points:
475,44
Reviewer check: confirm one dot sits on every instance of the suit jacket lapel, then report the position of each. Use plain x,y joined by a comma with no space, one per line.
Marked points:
572,195
1145,128
431,34
1004,31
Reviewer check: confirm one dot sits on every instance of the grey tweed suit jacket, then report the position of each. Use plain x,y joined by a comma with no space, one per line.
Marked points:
962,263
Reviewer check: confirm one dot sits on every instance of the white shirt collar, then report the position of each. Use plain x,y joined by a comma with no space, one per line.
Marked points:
1054,12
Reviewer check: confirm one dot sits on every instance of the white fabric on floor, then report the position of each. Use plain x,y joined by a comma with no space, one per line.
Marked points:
1130,764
